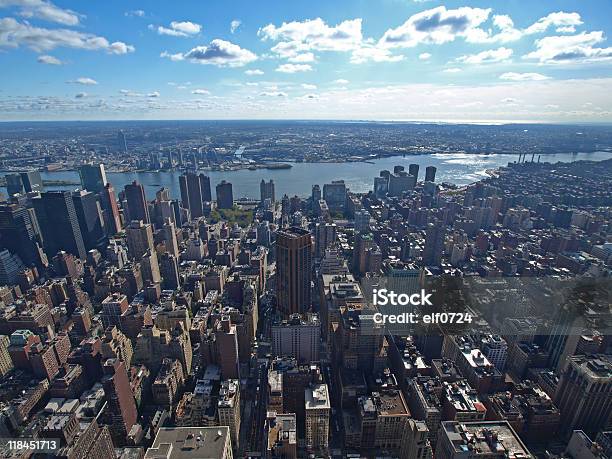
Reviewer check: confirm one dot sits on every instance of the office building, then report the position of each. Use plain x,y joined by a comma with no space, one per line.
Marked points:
18,234
93,177
317,407
191,443
362,221
170,238
10,267
195,191
137,206
59,223
139,239
335,194
24,182
228,409
91,222
281,433
168,267
225,195
298,338
584,394
120,400
121,142
227,348
413,169
293,270
434,244
325,236
110,210
430,173
266,191
486,439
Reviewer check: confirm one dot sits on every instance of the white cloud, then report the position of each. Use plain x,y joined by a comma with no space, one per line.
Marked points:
312,35
219,52
302,58
558,19
153,95
273,94
309,86
437,26
201,92
293,68
41,9
81,95
489,56
452,70
424,56
84,81
135,13
564,49
130,93
341,81
514,76
373,53
49,60
14,34
179,29
254,72
234,25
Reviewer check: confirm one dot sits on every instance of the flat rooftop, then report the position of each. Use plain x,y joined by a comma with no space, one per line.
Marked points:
189,442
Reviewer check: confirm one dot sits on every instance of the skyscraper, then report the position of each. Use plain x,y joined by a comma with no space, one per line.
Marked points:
10,267
413,169
225,195
227,347
168,268
24,182
170,238
434,244
121,142
195,190
293,270
58,223
120,400
91,222
266,190
108,202
18,234
318,407
139,239
334,194
137,202
430,174
93,177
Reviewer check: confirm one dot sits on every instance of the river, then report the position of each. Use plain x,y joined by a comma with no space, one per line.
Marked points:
458,168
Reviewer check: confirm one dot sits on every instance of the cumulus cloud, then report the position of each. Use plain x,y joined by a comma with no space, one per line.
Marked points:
436,26
341,81
153,95
452,70
254,72
309,86
565,49
14,34
293,68
81,95
179,29
514,76
424,56
234,25
373,53
301,58
489,56
219,52
201,92
41,9
84,81
49,60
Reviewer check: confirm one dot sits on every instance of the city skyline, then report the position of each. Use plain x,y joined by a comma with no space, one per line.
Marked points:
387,59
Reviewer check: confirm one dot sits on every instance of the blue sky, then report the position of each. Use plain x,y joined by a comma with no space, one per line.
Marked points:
512,60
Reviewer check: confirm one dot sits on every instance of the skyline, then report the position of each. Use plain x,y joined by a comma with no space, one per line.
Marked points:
469,61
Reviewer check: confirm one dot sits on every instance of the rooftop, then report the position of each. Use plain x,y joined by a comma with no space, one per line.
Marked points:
189,442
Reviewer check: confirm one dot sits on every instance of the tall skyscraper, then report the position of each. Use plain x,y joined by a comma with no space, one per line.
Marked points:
227,347
14,184
168,268
318,408
225,195
334,194
195,190
170,238
18,234
413,169
93,177
139,239
58,223
430,174
266,190
434,244
10,267
137,202
24,182
91,222
316,193
110,209
584,394
325,236
293,270
120,400
121,142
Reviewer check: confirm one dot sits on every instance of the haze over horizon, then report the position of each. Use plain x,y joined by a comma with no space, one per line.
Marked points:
382,60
